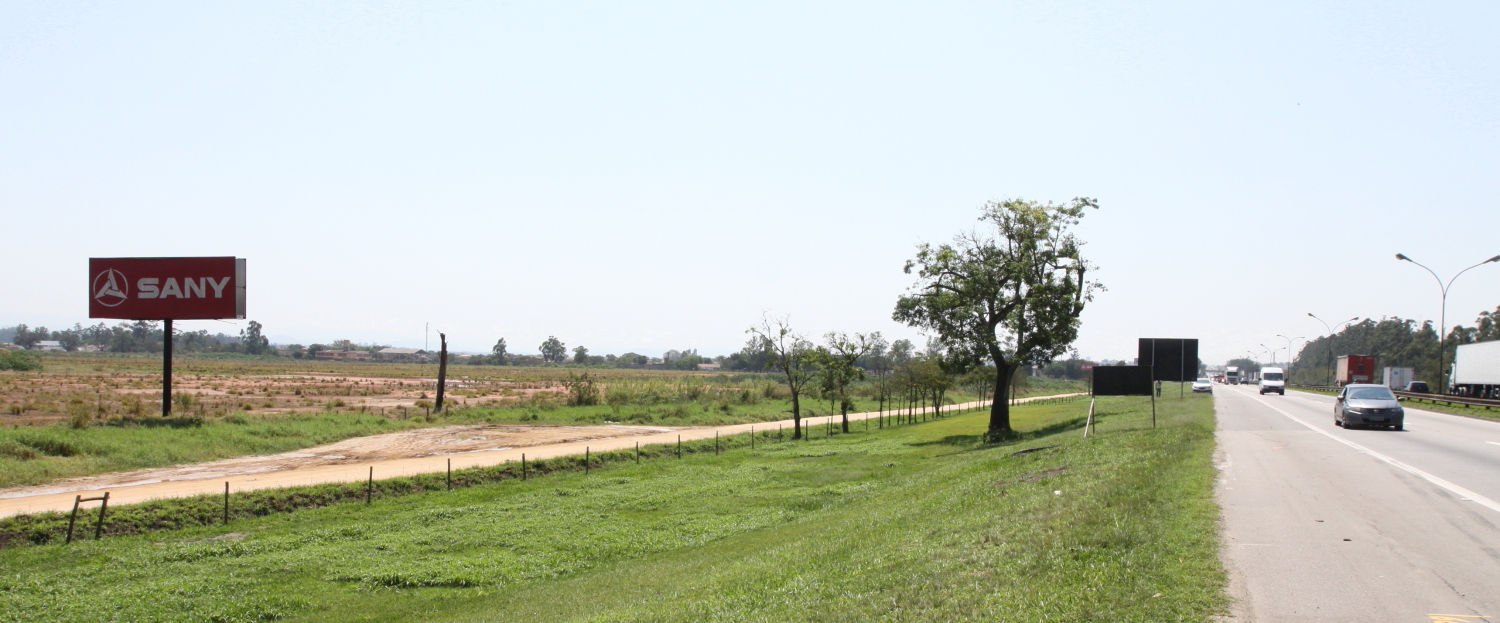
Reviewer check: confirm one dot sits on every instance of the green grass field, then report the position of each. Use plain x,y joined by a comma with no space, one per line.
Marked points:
915,523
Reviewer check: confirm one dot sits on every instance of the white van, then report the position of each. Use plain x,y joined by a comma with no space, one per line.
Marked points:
1272,380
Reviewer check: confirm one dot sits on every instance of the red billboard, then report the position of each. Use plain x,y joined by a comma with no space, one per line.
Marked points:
161,288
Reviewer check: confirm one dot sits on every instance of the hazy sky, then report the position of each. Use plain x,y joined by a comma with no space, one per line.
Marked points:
643,176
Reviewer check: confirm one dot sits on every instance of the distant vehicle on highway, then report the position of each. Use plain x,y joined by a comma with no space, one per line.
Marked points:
1232,375
1417,387
1396,377
1368,405
1353,369
1272,380
1203,385
1476,370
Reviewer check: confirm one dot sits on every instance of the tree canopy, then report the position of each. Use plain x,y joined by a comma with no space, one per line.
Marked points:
1009,294
553,350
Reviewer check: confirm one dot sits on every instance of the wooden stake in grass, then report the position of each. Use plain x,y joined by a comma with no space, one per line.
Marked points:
679,446
99,527
585,460
226,502
752,437
637,453
450,474
523,466
370,486
716,443
442,372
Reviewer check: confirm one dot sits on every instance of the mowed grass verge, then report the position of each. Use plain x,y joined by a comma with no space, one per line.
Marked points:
914,523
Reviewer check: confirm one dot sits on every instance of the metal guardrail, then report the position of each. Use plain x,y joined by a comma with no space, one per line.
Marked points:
1420,397
1451,400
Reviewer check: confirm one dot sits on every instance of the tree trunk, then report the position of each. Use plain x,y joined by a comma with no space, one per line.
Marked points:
796,417
1000,409
844,411
442,373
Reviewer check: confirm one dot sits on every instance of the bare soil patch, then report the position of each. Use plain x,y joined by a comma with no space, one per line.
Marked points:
414,443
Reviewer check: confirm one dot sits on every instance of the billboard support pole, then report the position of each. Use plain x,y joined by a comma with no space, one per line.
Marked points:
166,368
1153,410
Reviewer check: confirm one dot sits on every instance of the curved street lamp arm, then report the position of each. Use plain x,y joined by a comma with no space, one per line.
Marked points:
1442,287
1455,277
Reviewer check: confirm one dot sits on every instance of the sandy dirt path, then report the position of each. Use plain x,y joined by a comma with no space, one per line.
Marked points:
391,455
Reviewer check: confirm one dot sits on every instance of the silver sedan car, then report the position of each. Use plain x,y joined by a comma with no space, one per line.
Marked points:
1368,405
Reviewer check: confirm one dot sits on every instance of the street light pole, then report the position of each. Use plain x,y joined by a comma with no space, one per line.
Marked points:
1330,341
1443,318
1289,347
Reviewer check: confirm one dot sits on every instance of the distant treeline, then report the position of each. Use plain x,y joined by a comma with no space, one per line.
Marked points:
141,336
1394,342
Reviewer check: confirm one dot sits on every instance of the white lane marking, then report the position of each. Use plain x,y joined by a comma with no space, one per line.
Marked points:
1462,492
1494,442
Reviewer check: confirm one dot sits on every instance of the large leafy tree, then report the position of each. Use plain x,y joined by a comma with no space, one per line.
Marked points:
254,342
553,350
1008,294
499,352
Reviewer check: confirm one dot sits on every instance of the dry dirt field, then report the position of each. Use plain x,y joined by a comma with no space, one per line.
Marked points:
99,387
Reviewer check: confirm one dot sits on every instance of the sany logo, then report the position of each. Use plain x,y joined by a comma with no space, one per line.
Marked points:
190,287
110,288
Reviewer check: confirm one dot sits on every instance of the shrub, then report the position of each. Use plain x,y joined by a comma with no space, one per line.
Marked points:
19,360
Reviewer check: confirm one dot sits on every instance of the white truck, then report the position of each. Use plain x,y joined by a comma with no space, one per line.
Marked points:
1397,378
1232,375
1272,380
1476,370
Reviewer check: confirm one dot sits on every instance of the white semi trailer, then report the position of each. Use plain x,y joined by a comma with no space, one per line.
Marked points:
1476,370
1397,378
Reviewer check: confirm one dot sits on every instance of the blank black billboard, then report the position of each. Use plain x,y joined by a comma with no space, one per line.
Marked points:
1122,380
1169,359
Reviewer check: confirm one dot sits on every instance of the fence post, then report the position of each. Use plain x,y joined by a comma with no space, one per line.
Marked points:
450,474
679,446
523,466
585,460
226,502
716,443
752,437
637,453
99,527
72,518
370,485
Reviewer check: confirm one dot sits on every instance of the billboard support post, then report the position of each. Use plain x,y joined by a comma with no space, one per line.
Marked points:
167,289
166,368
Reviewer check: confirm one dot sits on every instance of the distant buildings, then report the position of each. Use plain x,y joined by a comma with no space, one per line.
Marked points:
402,354
48,345
343,355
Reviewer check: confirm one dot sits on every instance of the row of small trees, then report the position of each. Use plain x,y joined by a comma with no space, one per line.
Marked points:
832,369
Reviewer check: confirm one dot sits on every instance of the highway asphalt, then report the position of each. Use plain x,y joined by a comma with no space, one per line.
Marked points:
1327,524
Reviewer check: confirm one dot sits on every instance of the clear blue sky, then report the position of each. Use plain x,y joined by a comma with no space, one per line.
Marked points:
644,176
